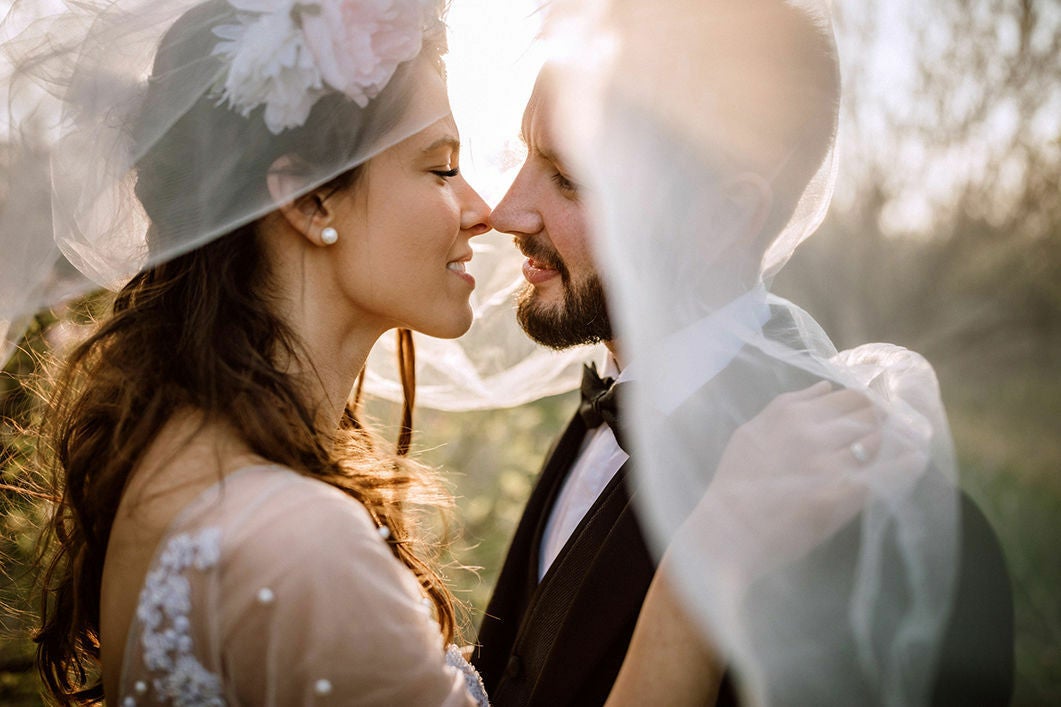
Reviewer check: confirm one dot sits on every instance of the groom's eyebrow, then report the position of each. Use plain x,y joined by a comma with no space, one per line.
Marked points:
447,141
544,153
537,149
548,155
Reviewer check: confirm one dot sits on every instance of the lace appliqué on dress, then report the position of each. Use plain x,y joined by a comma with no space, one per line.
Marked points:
474,683
178,678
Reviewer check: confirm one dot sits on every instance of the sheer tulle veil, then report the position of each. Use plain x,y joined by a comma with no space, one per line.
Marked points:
692,123
695,124
97,143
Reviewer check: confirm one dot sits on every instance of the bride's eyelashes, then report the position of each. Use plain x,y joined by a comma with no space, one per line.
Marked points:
446,173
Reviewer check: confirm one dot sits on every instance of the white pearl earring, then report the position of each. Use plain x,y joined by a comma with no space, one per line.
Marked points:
329,235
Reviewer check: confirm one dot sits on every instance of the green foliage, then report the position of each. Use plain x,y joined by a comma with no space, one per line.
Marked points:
491,459
1005,428
21,515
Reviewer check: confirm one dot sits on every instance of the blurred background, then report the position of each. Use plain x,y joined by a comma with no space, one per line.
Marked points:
944,236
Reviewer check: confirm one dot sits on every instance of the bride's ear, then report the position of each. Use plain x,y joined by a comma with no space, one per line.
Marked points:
309,214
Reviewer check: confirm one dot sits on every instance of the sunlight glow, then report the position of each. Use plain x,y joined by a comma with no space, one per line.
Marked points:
492,62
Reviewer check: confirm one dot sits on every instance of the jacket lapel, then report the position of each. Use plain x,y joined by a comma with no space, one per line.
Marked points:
518,580
589,599
540,505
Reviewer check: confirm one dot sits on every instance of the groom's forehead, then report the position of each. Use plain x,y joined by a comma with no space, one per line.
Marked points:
537,128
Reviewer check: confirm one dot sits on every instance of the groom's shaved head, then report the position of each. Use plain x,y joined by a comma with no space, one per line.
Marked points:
753,82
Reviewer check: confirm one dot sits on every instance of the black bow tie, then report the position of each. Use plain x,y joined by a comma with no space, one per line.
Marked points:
601,401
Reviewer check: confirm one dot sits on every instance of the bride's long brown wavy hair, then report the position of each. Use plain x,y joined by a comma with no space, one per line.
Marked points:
198,333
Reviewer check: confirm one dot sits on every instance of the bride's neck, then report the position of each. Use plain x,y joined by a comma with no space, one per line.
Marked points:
328,368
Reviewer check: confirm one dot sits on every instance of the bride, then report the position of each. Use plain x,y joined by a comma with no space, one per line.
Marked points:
299,175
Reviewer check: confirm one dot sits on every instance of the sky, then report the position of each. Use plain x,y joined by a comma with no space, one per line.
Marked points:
492,62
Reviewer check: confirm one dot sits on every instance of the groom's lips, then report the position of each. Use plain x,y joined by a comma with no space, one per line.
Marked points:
542,264
537,272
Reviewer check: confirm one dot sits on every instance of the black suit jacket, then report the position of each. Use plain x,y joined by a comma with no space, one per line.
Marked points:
562,641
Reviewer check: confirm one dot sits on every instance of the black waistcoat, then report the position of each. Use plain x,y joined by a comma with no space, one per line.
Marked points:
562,641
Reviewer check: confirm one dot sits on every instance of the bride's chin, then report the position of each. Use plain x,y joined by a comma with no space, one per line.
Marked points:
451,329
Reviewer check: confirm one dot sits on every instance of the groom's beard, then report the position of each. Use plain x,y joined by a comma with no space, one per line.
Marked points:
581,317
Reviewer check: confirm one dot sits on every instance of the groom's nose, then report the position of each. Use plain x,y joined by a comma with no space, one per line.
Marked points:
518,212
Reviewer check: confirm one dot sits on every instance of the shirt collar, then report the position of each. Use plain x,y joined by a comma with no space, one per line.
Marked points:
687,359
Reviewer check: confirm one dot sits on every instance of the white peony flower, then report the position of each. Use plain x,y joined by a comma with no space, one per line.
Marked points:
268,64
286,54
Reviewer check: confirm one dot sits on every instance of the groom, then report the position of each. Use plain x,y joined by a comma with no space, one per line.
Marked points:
566,602
569,594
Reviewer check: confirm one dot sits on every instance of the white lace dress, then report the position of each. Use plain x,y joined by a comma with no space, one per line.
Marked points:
275,589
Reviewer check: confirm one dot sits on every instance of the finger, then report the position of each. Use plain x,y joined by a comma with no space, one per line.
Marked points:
810,393
862,454
893,460
845,432
852,453
840,402
835,405
871,442
789,403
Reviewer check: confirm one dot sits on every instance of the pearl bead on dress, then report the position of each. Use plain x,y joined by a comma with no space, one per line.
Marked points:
266,596
323,687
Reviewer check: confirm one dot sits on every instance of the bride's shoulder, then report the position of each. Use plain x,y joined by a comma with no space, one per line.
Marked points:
295,594
278,506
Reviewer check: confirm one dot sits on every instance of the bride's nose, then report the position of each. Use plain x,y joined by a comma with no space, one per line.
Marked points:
475,213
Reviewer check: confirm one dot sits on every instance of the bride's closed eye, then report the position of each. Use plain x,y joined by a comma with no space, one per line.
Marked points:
446,174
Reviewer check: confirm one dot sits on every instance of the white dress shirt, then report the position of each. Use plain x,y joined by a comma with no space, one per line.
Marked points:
598,459
695,355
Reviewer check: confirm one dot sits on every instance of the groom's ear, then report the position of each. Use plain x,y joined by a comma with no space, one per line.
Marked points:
749,198
307,215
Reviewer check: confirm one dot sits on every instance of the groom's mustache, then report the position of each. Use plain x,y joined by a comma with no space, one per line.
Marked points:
542,255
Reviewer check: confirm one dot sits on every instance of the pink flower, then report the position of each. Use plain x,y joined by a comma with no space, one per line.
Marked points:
358,44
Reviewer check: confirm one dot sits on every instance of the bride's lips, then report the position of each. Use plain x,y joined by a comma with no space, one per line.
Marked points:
538,272
457,267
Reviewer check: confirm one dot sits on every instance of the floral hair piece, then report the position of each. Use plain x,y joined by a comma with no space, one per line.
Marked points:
287,54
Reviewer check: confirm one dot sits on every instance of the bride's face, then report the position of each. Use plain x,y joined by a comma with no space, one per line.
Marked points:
405,226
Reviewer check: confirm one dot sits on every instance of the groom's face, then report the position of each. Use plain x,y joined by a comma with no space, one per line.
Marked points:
562,303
